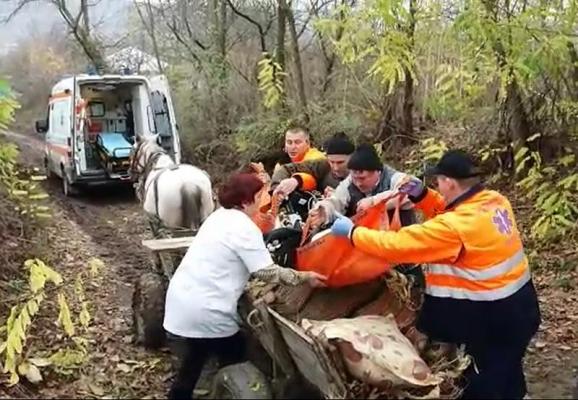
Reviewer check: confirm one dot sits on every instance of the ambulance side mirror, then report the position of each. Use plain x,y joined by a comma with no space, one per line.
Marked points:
41,126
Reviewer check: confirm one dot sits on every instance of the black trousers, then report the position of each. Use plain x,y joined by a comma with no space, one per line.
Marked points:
193,354
496,334
500,370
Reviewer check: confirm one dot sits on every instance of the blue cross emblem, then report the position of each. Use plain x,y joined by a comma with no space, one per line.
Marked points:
502,221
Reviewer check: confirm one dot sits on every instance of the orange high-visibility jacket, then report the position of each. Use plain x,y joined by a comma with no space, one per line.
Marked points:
473,250
308,181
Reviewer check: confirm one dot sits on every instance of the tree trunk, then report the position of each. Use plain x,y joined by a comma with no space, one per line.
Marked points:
280,48
85,16
153,36
517,118
330,59
220,59
90,45
408,89
297,61
222,35
574,75
92,51
518,125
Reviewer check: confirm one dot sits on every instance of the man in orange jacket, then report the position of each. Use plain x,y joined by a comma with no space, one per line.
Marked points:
298,146
479,290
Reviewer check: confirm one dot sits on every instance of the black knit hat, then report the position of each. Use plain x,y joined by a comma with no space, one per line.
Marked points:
365,158
339,144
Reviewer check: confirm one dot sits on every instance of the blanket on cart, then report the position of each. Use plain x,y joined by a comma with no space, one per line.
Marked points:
370,329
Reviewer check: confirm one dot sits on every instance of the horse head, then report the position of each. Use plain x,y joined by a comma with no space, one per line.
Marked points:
144,148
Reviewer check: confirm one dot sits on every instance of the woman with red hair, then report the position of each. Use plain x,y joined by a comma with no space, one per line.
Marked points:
201,303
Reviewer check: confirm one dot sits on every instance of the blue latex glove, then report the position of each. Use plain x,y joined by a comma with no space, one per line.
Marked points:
413,188
342,226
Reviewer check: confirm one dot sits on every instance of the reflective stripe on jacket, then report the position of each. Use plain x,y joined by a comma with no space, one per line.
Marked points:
473,248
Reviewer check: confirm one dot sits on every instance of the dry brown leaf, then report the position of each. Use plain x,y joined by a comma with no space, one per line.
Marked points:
95,389
31,372
40,362
124,368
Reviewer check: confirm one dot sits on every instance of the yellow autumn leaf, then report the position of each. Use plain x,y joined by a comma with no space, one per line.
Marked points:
64,317
95,265
14,379
84,316
37,278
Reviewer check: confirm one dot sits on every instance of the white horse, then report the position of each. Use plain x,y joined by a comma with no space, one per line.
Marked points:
180,196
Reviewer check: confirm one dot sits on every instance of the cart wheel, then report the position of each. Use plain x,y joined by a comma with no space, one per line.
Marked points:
148,307
241,381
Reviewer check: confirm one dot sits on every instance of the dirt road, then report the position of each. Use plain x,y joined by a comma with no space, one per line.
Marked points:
108,224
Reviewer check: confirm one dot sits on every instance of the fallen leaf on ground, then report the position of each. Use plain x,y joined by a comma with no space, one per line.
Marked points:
40,362
95,389
31,372
124,368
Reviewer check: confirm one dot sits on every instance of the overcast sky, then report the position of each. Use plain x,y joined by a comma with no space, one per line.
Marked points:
40,16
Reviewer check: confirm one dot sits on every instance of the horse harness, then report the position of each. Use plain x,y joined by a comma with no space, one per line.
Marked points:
142,188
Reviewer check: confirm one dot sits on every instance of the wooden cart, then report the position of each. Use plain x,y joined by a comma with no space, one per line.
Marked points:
283,356
291,357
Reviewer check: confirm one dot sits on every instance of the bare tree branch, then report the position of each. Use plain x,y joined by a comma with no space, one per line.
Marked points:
252,21
20,6
176,34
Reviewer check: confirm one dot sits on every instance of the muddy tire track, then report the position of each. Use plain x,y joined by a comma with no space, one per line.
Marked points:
111,216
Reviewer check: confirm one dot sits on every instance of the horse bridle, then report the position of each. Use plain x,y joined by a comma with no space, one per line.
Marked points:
135,167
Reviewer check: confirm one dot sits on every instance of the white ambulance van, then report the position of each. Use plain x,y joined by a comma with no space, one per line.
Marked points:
93,120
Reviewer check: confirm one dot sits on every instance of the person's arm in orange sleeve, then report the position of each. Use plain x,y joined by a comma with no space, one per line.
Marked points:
306,181
430,242
308,173
430,203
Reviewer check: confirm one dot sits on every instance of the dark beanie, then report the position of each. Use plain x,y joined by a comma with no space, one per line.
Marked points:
365,158
339,144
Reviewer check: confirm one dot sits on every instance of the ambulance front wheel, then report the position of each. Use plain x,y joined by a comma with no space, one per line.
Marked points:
68,189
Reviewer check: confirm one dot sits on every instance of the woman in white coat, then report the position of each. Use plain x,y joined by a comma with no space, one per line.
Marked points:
201,302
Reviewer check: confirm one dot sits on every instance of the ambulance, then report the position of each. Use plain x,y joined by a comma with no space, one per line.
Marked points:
92,123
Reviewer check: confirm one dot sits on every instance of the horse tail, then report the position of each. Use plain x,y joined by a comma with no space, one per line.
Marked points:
191,206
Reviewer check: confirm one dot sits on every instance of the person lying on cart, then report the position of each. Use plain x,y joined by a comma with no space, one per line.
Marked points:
479,289
201,302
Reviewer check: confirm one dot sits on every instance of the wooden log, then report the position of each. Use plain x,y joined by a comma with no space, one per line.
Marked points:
311,359
327,303
289,300
168,243
259,321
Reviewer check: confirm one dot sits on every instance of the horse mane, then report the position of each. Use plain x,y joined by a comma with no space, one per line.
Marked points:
152,146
